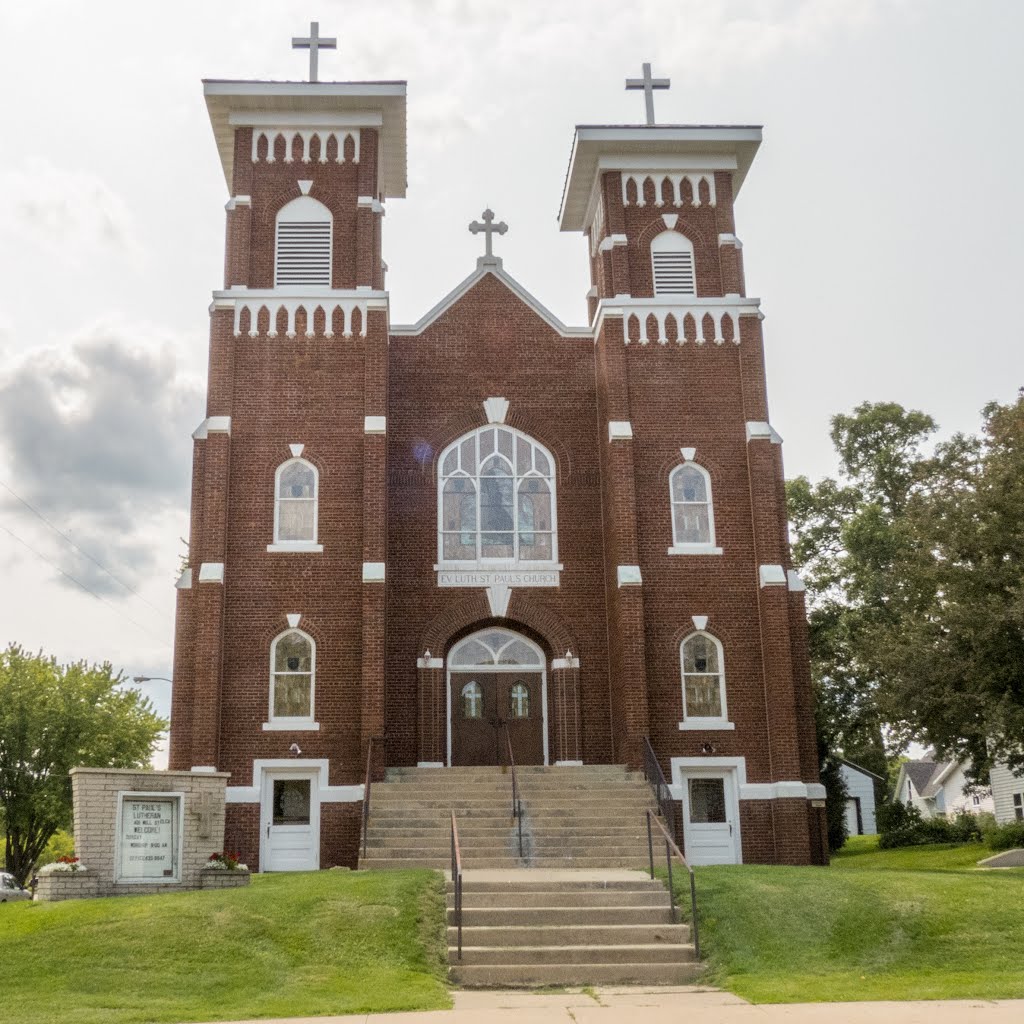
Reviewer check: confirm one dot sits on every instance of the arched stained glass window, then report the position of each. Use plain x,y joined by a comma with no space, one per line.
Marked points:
295,503
472,701
496,499
693,520
292,675
703,678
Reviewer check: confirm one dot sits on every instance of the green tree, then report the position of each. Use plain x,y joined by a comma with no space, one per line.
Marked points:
54,718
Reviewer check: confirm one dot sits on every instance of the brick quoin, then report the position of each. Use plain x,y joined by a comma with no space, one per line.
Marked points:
375,405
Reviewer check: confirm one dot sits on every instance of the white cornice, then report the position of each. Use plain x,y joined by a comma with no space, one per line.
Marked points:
303,119
512,284
678,306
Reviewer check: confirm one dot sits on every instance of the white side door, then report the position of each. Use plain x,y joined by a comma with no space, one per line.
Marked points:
290,821
710,818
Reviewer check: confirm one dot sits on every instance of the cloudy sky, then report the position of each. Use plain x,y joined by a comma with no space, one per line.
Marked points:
881,226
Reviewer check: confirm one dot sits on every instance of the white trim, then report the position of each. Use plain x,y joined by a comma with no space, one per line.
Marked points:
700,622
305,184
205,769
795,583
694,549
430,662
294,545
541,668
781,790
611,241
568,764
695,722
512,284
373,572
496,409
707,725
729,239
294,618
629,576
212,425
430,764
375,424
308,546
265,789
772,576
759,430
184,580
299,119
211,572
559,663
369,202
679,547
689,767
696,163
679,306
328,794
118,849
498,597
291,298
281,722
688,454
296,450
620,430
237,201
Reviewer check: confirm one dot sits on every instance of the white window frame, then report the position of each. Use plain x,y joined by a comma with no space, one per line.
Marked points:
689,722
281,723
304,209
673,241
704,548
296,545
475,478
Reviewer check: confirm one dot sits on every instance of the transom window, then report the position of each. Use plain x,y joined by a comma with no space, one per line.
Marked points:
496,499
693,519
703,678
292,673
295,505
495,648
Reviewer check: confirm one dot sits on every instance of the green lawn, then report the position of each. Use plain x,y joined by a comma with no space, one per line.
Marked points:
918,923
288,945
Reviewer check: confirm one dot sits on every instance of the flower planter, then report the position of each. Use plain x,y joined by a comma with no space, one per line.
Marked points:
222,878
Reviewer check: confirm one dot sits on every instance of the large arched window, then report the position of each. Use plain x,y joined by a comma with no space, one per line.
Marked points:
303,245
496,500
672,264
292,679
693,515
703,670
295,503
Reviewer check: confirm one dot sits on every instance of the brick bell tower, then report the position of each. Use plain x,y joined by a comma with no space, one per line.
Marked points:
680,367
296,408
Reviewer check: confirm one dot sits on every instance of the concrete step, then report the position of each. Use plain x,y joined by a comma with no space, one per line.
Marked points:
560,915
571,935
639,953
403,863
636,862
565,898
532,975
534,882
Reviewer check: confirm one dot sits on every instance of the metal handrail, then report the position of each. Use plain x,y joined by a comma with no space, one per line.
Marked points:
656,777
367,783
517,805
457,880
670,850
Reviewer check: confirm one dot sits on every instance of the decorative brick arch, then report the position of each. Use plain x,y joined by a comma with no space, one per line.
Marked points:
526,615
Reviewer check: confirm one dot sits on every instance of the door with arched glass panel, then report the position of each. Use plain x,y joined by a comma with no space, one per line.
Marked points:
496,681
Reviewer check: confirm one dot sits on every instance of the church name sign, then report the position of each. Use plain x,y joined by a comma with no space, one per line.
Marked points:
497,577
149,837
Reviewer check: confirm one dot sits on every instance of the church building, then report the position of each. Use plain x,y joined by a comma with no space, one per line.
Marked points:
429,544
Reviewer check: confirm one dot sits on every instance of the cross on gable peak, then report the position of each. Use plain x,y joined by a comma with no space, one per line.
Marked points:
648,84
314,42
489,229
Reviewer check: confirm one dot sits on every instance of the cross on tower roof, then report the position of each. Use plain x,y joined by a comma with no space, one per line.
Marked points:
489,229
314,43
648,85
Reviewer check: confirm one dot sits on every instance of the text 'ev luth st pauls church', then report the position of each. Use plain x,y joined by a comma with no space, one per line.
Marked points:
423,544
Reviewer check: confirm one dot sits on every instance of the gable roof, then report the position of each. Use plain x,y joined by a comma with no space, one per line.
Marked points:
921,773
483,267
861,769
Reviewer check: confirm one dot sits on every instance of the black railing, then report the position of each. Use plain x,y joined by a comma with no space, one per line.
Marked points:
367,783
457,881
656,777
517,805
671,850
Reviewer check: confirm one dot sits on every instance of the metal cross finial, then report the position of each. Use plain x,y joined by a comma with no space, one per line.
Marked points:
314,43
648,85
489,229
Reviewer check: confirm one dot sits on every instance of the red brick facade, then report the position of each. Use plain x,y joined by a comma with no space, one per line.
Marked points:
373,412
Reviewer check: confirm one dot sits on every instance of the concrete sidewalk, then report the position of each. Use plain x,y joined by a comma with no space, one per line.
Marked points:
673,1005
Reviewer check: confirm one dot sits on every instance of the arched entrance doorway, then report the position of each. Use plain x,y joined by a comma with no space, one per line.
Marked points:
497,678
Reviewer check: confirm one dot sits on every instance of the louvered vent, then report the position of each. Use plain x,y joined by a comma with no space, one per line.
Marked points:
673,273
303,253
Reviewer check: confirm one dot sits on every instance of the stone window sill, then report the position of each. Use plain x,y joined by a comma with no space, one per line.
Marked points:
284,726
296,545
706,725
694,549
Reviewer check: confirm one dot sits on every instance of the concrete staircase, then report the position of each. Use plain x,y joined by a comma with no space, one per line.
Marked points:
578,817
535,927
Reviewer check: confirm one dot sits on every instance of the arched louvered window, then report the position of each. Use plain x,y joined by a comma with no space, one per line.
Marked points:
303,248
496,500
703,680
693,516
292,677
295,503
672,261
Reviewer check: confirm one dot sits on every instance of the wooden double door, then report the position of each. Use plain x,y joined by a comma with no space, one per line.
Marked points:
484,702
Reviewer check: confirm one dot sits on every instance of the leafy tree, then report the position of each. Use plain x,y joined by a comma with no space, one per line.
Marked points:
54,718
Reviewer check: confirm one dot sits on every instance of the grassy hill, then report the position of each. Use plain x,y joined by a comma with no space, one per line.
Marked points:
917,923
288,945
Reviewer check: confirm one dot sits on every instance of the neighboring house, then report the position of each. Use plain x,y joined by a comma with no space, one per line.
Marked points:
940,788
1007,794
860,798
